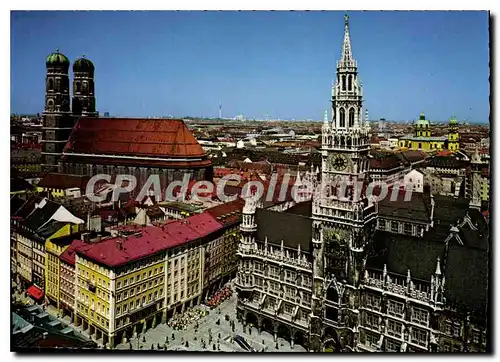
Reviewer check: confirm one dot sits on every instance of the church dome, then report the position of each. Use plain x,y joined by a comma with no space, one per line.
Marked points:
57,60
422,122
453,120
83,65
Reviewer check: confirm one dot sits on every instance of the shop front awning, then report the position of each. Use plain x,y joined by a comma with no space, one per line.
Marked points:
35,292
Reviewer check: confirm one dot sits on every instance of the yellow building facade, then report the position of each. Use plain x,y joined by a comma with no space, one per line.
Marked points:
116,303
52,191
422,138
54,247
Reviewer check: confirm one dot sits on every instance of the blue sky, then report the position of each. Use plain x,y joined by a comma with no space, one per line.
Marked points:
257,63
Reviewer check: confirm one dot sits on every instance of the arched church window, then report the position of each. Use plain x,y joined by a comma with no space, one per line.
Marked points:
58,84
51,84
343,82
351,117
77,86
342,117
349,85
50,104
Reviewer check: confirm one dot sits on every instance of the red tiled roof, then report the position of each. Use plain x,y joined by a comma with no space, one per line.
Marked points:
68,256
35,292
133,136
119,251
444,153
386,163
138,162
415,155
63,181
228,213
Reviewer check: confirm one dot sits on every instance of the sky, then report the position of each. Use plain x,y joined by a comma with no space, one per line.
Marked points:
279,64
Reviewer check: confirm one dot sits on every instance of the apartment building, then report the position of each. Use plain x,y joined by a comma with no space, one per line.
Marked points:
127,284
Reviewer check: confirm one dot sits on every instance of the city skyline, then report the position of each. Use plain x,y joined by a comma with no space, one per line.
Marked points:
260,63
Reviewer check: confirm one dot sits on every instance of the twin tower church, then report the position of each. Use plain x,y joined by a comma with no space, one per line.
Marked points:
59,116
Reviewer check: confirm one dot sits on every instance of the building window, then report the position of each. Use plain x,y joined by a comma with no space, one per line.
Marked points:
475,337
342,117
419,336
373,301
392,346
371,340
394,226
307,298
351,115
456,330
420,316
394,328
271,303
408,228
395,308
372,321
288,308
381,224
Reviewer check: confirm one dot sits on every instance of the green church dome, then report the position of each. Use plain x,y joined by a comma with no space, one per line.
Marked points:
57,59
422,121
83,65
453,120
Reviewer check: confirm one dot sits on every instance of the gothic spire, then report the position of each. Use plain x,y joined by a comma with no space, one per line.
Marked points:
347,60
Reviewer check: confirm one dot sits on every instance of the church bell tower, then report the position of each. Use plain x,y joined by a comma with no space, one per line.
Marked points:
57,119
83,88
343,217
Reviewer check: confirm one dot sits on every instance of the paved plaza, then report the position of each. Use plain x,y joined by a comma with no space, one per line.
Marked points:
206,325
263,341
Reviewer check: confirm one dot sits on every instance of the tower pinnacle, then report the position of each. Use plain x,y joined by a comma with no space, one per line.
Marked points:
346,59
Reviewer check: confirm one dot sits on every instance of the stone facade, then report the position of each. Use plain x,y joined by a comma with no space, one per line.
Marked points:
367,275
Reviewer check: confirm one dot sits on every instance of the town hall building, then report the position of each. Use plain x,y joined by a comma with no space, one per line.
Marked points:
361,275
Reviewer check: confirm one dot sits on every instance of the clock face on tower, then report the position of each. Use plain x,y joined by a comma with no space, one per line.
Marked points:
338,162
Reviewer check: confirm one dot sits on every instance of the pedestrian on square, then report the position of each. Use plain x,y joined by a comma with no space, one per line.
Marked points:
159,346
173,337
152,347
214,347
